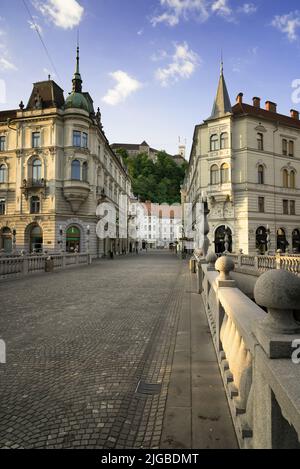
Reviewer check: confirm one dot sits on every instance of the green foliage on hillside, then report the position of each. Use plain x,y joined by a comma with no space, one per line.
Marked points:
158,181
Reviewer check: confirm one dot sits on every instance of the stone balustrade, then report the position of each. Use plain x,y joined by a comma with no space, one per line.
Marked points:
254,349
259,264
11,267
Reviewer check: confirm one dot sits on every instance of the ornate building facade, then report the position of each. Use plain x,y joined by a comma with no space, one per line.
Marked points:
245,160
56,167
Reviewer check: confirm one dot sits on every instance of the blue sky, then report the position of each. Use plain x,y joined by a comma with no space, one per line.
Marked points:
153,65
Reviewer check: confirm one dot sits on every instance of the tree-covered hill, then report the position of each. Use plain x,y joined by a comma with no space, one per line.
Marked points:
158,181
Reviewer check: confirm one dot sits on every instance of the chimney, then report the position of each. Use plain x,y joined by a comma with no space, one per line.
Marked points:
256,102
272,107
294,114
239,98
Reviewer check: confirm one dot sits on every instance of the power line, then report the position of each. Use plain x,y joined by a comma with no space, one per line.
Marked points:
41,39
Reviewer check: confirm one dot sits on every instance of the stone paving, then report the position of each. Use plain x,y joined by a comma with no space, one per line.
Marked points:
78,344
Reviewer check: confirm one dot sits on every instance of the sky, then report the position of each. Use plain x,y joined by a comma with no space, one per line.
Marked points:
152,66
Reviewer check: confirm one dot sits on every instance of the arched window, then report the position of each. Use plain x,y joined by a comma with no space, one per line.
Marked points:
261,174
35,204
224,140
292,179
214,143
75,173
36,170
285,178
214,174
281,240
225,173
296,241
85,172
3,172
73,239
36,239
260,141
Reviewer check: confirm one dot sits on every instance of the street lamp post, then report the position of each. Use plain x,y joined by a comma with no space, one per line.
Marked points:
14,240
88,232
60,242
206,212
268,240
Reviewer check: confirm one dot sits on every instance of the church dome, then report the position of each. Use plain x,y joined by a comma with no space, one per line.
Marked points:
77,101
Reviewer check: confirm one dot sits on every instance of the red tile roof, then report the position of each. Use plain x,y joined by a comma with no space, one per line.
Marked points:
246,109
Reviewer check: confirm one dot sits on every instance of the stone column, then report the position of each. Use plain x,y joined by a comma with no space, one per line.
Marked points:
279,292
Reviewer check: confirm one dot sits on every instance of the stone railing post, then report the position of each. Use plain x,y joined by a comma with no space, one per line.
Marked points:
25,266
278,259
225,265
279,292
240,258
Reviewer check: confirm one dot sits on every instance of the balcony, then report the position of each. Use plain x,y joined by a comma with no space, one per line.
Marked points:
220,192
76,192
30,186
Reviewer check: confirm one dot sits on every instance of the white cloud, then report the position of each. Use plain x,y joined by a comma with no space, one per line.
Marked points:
221,8
35,26
178,9
288,24
248,8
125,86
173,11
5,64
183,65
65,14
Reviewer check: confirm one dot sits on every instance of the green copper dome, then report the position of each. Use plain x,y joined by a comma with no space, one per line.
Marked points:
77,101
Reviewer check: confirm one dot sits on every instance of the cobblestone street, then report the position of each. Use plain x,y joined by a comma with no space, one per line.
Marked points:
79,342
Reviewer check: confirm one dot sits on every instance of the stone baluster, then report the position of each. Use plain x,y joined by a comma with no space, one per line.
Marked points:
279,292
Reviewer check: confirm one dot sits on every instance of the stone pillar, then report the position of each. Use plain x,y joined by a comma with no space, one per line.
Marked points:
225,265
279,292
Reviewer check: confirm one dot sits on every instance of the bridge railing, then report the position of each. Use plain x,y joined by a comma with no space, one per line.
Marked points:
258,263
11,267
259,366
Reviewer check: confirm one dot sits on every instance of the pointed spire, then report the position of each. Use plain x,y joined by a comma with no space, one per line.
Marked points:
222,104
77,81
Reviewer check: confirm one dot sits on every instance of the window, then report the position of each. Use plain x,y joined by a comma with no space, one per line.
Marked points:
36,170
2,206
292,179
85,140
291,148
36,139
76,139
85,172
214,175
3,171
75,170
260,142
292,207
35,205
261,204
224,140
284,147
214,143
285,177
261,174
2,143
225,173
285,207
